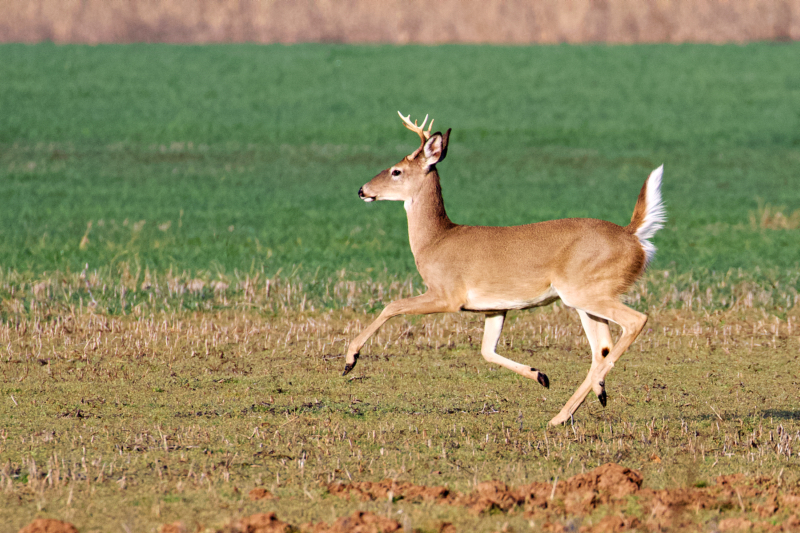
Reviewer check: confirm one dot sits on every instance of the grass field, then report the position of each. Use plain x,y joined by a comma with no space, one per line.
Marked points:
184,259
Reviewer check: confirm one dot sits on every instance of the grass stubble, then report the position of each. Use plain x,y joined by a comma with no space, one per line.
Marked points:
130,403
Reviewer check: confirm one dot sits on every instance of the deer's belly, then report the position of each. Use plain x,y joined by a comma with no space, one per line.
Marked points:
478,300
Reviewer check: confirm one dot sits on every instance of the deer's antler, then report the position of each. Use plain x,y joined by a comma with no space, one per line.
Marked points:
423,135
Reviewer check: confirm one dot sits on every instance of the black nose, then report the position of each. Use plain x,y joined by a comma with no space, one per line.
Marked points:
361,192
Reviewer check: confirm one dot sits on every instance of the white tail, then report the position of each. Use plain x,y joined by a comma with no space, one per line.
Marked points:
587,263
655,214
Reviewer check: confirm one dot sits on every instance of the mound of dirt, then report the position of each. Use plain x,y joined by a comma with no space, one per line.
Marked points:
582,493
609,486
48,525
487,496
579,494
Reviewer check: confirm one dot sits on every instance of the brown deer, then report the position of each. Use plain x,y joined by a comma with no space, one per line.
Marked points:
585,262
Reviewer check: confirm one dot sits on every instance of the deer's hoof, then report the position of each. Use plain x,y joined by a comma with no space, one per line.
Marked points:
542,378
603,397
349,366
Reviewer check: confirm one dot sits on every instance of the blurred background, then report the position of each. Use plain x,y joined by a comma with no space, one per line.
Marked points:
399,21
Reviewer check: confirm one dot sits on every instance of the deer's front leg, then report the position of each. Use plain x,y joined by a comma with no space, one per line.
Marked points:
423,304
491,335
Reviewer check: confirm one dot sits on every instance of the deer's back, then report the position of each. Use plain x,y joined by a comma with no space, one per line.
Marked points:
522,263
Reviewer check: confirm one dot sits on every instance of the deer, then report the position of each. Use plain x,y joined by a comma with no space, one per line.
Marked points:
586,263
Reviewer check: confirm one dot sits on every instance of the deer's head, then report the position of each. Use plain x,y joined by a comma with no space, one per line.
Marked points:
401,181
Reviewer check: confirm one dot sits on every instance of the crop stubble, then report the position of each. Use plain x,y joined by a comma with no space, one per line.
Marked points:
165,412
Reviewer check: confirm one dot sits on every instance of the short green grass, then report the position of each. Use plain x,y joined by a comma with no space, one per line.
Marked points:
244,157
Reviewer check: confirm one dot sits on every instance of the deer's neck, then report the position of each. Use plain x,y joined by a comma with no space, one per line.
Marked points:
427,219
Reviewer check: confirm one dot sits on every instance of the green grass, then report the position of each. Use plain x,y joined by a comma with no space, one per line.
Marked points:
253,154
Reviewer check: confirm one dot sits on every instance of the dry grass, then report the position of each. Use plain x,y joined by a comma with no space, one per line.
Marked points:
772,217
495,21
176,406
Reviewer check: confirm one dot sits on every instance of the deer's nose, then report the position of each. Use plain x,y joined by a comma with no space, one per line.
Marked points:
364,196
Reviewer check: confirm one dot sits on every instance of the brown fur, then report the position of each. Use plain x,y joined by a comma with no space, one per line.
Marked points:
588,263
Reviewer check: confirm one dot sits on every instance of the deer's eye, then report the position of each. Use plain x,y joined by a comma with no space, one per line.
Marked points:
396,172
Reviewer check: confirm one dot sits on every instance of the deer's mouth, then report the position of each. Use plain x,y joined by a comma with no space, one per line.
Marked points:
364,196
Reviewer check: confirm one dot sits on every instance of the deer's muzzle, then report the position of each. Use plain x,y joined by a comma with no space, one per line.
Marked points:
364,197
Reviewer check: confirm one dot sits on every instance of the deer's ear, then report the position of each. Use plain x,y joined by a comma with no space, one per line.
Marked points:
435,148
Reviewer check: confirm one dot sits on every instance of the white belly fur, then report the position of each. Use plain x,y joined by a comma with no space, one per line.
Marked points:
476,301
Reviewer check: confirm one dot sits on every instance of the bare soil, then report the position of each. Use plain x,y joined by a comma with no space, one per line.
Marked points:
611,487
48,525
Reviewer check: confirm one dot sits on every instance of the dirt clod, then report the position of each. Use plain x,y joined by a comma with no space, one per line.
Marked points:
259,523
260,493
48,525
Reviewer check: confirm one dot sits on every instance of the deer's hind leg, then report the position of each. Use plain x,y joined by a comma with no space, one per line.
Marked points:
632,322
492,329
599,335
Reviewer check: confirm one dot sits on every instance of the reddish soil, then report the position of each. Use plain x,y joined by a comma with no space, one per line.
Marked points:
260,493
610,485
175,527
48,525
259,523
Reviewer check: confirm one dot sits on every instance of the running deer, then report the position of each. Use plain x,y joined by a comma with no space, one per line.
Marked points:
585,262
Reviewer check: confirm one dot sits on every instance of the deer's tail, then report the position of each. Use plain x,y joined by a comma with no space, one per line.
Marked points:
649,214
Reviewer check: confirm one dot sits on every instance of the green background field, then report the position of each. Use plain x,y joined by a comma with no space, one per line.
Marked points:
242,158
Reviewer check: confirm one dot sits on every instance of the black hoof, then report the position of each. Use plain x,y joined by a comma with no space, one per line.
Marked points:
349,366
603,397
542,378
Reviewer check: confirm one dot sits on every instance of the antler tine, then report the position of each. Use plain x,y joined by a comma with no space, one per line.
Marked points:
423,135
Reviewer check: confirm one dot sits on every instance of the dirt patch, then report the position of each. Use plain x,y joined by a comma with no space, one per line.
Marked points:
383,490
260,493
747,502
175,527
48,525
259,523
578,494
